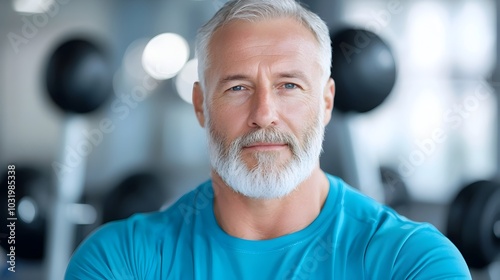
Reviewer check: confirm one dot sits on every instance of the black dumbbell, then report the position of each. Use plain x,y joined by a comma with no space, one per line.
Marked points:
78,76
474,223
364,70
78,79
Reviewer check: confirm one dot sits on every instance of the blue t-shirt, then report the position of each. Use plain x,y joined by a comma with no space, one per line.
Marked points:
353,237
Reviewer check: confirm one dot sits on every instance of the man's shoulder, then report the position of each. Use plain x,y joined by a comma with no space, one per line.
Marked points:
121,246
377,218
410,247
359,207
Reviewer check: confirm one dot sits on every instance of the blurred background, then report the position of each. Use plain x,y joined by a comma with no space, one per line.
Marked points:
96,116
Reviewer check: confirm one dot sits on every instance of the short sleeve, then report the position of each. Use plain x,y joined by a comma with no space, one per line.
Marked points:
104,255
428,254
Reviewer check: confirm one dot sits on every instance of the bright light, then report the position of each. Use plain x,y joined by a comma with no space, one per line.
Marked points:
31,6
428,35
165,55
185,79
27,210
475,38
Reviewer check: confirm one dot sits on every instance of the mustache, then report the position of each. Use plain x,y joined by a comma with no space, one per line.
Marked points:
267,135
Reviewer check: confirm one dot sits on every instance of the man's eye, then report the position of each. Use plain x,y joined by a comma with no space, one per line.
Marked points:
237,88
290,86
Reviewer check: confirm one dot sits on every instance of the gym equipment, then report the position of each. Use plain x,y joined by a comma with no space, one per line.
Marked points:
78,80
474,223
364,70
395,190
137,193
78,77
32,197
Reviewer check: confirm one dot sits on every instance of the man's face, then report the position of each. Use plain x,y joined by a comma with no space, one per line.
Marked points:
267,105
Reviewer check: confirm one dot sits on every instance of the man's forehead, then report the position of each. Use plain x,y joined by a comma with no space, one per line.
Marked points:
280,45
275,37
258,31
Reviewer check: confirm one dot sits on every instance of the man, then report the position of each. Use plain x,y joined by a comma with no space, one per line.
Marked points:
269,211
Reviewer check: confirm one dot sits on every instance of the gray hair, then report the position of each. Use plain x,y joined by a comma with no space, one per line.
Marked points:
255,10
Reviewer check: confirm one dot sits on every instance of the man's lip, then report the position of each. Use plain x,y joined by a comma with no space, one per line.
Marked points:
266,145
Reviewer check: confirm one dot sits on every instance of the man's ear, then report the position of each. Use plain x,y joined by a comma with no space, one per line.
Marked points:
198,103
328,96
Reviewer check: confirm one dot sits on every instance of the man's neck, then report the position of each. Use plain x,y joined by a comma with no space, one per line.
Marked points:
256,219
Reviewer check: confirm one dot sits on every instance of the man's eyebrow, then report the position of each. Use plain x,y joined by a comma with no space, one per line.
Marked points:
241,77
294,74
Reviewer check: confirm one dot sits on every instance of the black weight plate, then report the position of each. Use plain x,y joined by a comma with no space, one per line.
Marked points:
473,215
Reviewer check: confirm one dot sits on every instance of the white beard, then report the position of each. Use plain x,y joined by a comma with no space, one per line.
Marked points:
267,179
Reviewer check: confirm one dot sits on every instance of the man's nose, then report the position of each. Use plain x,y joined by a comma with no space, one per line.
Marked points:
263,109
